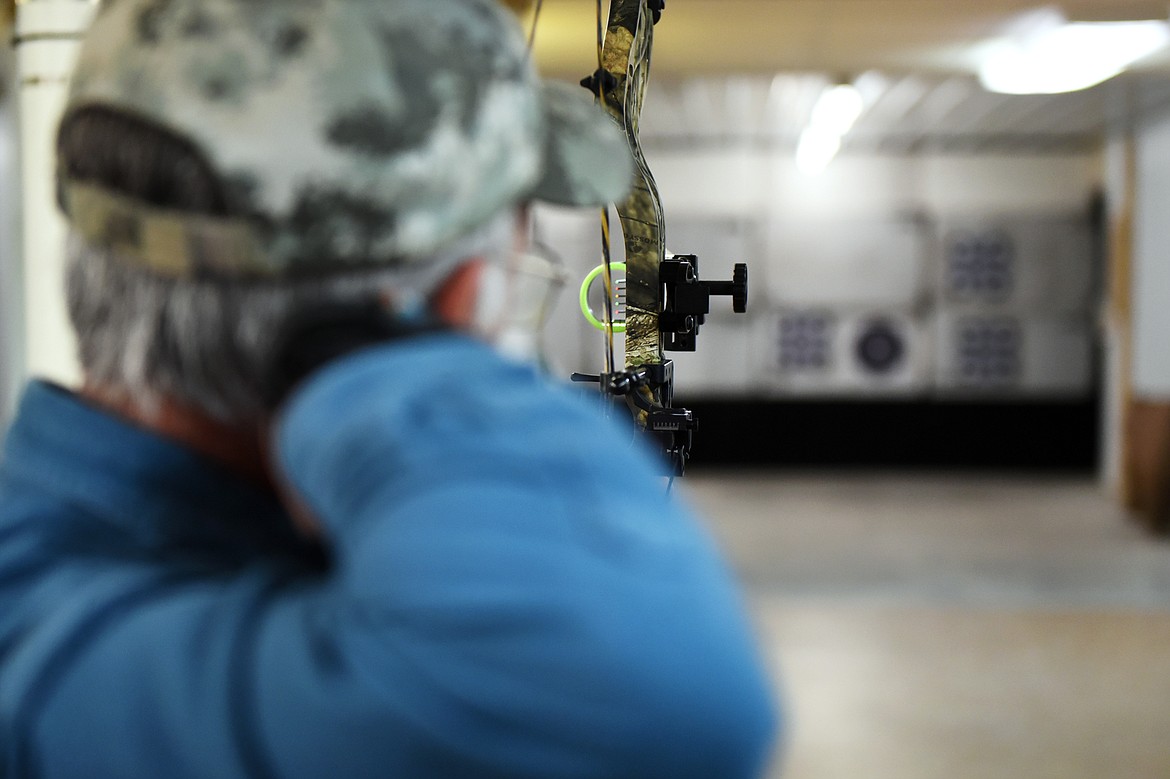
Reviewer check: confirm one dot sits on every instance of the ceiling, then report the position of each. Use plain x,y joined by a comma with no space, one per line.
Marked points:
750,70
842,37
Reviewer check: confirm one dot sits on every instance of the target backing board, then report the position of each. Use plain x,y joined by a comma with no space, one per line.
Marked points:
988,354
851,263
831,352
721,366
1023,264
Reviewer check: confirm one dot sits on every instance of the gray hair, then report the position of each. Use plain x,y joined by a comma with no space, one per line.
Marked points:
205,343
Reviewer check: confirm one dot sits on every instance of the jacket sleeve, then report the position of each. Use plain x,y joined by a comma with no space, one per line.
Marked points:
513,595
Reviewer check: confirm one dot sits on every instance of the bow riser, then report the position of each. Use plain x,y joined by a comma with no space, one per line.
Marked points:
666,300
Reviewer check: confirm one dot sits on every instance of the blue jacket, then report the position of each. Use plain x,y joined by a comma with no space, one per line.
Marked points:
508,593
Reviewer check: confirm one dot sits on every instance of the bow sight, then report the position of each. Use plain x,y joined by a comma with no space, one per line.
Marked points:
688,299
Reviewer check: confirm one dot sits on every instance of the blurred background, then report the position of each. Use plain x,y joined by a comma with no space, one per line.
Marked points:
937,447
932,281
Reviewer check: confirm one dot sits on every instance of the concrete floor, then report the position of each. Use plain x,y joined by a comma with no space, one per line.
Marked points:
953,627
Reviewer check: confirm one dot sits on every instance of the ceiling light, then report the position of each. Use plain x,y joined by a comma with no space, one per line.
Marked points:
835,112
1068,57
816,150
837,109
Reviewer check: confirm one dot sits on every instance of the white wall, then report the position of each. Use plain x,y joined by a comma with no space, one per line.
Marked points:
767,183
762,190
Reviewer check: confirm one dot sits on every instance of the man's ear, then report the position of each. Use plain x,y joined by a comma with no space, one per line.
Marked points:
455,300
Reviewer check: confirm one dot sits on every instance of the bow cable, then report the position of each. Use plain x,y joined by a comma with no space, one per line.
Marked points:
535,23
606,250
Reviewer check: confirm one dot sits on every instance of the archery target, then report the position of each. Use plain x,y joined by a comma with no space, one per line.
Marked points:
806,341
980,264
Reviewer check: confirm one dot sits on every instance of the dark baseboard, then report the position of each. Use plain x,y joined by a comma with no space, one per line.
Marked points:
1060,435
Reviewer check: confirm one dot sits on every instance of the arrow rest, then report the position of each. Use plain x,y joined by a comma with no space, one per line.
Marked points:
600,82
672,428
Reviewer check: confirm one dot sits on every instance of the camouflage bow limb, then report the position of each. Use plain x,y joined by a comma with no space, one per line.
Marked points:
626,58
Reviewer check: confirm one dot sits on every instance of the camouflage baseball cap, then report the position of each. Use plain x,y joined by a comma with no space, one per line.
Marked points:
347,133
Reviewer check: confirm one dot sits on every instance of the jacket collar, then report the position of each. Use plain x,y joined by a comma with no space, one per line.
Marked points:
126,477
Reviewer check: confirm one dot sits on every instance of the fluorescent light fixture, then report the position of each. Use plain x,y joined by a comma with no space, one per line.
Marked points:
1070,56
835,112
816,150
837,109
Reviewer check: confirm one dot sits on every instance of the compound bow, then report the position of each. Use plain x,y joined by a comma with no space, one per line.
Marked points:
666,301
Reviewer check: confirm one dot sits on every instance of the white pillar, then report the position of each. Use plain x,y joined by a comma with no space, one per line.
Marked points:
48,34
1151,272
10,324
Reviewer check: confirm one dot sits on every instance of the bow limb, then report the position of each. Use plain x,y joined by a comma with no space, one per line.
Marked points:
626,58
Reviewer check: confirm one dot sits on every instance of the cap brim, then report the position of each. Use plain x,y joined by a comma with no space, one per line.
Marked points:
586,158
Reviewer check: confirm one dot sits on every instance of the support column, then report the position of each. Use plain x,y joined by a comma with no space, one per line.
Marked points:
47,39
1145,286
